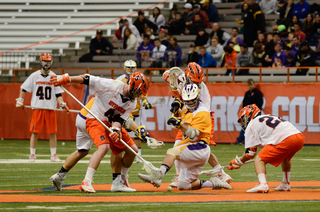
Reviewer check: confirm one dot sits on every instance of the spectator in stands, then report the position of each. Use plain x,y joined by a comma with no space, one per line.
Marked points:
297,32
286,13
295,47
318,48
269,48
177,26
195,26
311,36
316,24
253,23
206,59
149,31
289,57
308,21
193,55
258,55
261,39
244,11
130,41
283,34
144,51
216,49
172,15
133,28
235,34
304,57
229,60
301,9
173,53
98,46
290,39
203,15
157,18
294,20
141,22
268,6
117,34
279,57
162,37
244,59
187,14
222,35
202,38
235,45
157,54
211,10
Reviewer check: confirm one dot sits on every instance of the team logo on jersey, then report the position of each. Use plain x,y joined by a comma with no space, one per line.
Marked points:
102,138
116,107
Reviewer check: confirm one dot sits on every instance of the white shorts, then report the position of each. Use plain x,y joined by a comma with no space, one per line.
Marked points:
192,159
137,121
83,140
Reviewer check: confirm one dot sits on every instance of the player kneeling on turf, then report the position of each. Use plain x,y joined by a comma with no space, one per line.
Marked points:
193,152
280,141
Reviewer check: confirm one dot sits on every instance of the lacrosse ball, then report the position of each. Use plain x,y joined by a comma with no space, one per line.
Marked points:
63,143
169,188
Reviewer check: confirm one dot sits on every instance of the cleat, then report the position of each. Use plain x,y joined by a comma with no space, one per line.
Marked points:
174,183
283,187
217,183
125,180
86,186
150,179
32,158
55,158
57,181
260,188
225,177
119,185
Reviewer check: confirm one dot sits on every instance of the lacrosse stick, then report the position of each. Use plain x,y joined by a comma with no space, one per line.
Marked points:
153,143
177,78
42,108
157,101
215,173
147,166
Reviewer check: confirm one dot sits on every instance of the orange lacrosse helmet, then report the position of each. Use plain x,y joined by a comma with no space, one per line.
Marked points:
138,85
46,61
194,72
247,113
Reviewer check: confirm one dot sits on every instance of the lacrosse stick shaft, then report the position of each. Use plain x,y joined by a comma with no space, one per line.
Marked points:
56,109
103,124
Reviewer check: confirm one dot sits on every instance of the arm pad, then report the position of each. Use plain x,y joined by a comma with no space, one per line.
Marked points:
251,152
127,123
192,133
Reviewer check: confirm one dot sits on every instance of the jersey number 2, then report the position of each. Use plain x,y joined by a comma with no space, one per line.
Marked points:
46,94
271,121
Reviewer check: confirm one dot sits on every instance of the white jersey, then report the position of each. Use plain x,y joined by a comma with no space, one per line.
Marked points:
109,99
123,77
268,129
43,93
205,95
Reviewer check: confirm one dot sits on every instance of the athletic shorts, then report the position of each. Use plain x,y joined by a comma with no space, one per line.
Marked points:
286,149
179,135
40,118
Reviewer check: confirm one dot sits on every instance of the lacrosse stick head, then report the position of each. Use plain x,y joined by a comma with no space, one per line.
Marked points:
177,79
151,170
153,143
46,61
158,101
138,85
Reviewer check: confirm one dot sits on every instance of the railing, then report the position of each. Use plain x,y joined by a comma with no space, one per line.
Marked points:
212,75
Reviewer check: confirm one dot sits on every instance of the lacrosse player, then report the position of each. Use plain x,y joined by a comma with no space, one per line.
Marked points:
194,74
279,140
193,152
112,104
130,67
44,95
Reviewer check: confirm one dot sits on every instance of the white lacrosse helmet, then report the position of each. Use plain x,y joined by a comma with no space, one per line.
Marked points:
130,67
190,96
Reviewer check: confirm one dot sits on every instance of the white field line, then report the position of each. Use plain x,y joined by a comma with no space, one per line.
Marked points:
24,161
107,156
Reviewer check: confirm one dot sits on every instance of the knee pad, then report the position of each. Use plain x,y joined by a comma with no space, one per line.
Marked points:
175,152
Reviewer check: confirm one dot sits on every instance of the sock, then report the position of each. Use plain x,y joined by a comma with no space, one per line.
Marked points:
63,172
262,178
139,151
90,173
32,151
115,175
53,151
124,171
205,184
177,165
164,168
286,177
217,166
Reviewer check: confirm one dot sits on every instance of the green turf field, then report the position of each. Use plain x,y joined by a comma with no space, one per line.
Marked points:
34,176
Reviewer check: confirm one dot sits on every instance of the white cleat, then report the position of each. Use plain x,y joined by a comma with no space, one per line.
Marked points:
217,183
32,158
283,187
55,158
174,183
225,177
260,188
57,181
86,186
150,179
119,185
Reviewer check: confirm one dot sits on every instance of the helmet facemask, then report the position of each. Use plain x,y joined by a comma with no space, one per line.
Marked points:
130,67
190,96
46,64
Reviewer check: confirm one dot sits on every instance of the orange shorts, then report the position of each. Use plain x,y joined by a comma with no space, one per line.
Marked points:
40,118
100,135
275,154
179,135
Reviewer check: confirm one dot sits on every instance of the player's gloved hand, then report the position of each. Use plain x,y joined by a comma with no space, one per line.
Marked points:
19,103
64,107
175,106
116,134
142,133
60,79
146,104
175,121
235,163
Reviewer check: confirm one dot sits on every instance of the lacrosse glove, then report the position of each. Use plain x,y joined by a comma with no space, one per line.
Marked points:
174,121
235,163
142,133
115,135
